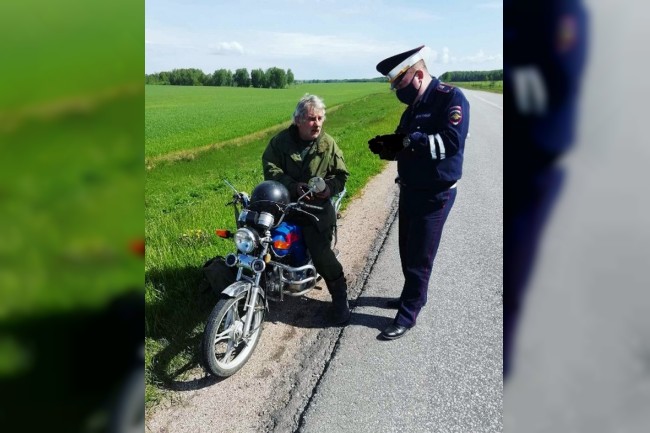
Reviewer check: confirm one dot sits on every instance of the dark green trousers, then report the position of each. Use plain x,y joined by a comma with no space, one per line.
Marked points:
319,244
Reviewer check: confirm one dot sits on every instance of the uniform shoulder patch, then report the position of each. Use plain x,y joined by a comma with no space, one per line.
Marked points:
444,88
455,115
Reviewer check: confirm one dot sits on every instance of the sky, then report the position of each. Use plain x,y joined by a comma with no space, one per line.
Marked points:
321,39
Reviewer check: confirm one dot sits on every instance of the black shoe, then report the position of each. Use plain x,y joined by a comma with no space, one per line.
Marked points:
393,331
393,303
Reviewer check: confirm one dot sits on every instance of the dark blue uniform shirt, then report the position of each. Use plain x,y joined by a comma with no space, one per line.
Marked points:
436,127
545,53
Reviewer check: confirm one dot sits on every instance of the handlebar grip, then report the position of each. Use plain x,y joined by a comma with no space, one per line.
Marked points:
311,206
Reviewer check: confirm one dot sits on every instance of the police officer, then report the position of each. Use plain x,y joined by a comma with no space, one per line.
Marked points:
428,146
545,43
294,156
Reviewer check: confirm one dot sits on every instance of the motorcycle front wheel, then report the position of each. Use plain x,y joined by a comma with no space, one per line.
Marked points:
225,348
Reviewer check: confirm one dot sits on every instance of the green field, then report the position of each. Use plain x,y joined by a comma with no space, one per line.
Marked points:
68,51
180,118
488,86
185,202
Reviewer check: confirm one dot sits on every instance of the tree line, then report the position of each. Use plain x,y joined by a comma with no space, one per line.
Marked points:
459,76
276,78
348,80
272,78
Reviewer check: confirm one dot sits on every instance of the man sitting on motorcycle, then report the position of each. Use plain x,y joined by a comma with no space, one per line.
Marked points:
292,157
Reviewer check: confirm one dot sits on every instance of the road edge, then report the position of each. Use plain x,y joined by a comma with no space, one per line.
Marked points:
288,416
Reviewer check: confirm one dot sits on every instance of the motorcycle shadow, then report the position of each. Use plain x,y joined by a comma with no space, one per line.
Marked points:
301,312
305,312
173,335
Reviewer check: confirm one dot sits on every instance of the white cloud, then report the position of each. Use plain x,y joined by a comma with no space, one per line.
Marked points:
308,45
482,57
225,48
446,57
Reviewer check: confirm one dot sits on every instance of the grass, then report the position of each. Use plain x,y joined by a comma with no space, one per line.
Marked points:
488,86
186,117
69,50
185,202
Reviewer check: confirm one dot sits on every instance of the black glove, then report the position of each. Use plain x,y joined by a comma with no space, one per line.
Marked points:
389,142
388,155
301,188
324,194
375,145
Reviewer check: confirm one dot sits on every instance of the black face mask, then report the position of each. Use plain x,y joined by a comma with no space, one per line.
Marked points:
407,94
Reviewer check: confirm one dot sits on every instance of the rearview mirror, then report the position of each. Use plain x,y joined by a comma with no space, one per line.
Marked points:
317,184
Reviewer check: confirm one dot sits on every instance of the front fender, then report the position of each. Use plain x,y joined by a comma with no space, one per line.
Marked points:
239,287
236,289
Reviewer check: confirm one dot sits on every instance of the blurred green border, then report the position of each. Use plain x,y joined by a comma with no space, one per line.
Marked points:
71,137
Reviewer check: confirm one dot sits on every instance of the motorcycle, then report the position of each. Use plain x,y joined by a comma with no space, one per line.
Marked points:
272,262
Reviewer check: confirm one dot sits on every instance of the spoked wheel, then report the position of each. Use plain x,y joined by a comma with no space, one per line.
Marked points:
225,348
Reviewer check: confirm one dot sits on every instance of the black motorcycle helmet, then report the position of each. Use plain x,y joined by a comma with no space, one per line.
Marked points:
269,196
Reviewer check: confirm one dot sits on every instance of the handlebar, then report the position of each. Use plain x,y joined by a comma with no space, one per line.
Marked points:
298,206
315,185
309,206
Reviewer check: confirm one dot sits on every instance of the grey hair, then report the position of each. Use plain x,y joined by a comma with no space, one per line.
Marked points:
306,102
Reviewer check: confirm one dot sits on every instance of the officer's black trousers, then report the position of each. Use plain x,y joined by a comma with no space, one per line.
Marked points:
422,216
530,203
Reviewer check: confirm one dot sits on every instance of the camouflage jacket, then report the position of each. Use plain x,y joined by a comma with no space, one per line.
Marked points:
288,161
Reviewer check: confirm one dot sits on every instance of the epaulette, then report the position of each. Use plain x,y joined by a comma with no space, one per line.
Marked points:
444,88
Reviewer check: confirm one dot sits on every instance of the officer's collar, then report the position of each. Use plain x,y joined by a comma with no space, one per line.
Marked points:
426,96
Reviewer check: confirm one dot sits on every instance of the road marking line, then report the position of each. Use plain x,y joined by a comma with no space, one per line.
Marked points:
488,102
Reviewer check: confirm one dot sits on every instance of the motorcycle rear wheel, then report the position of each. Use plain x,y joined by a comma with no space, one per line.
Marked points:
225,350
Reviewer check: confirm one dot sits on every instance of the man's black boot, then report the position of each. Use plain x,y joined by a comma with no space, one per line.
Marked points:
340,311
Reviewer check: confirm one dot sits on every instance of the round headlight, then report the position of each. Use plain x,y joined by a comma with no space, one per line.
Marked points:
245,240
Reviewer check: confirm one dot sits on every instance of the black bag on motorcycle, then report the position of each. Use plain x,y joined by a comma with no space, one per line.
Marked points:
217,276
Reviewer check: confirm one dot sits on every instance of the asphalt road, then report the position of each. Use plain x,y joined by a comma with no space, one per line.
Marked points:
444,375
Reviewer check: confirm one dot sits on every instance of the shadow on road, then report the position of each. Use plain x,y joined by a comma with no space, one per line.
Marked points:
174,337
300,312
372,301
369,320
313,313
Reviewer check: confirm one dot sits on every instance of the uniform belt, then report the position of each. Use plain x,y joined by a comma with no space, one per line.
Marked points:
442,187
